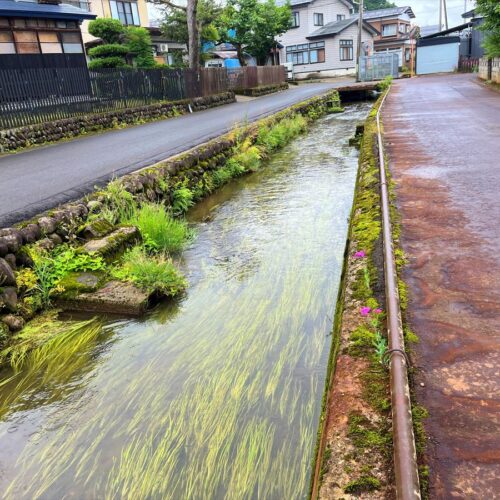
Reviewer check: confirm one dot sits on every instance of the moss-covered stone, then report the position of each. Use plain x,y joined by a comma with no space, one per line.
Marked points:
114,242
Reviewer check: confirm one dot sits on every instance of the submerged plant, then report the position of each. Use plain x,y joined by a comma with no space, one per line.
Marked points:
160,231
151,272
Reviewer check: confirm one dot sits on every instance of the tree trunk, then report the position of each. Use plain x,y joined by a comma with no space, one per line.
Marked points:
239,52
193,44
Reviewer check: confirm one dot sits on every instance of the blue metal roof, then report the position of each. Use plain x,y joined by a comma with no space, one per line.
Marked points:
13,8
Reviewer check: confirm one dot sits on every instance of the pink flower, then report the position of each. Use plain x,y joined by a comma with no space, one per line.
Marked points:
378,311
360,254
365,311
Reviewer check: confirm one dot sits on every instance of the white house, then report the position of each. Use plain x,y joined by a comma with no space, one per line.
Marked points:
323,39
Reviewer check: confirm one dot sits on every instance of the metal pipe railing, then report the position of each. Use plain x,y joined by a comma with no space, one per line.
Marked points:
405,457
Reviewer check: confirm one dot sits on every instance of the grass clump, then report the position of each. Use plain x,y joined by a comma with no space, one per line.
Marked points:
385,84
271,138
151,272
182,200
362,485
160,231
120,204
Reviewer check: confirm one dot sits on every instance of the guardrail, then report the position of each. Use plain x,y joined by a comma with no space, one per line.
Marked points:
405,456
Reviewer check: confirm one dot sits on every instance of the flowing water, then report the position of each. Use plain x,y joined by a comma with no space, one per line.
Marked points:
218,395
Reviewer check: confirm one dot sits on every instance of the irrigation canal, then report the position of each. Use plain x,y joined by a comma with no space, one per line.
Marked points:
218,395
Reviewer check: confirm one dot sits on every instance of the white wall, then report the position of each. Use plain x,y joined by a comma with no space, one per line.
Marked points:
332,53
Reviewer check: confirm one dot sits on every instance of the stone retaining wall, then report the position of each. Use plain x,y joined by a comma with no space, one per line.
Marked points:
42,133
263,90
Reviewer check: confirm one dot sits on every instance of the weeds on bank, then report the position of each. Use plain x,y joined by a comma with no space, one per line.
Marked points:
151,272
160,231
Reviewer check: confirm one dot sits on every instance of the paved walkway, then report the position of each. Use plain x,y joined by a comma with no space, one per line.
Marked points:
42,178
443,137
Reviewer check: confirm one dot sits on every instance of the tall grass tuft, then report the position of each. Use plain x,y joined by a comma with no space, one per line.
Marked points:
120,203
151,272
161,232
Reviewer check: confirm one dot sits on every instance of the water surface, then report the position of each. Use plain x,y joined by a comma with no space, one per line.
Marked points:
219,394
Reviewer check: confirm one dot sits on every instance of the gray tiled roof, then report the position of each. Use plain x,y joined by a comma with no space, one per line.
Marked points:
393,11
334,28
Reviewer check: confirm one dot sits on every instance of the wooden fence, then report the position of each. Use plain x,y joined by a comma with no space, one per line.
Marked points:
468,64
38,95
255,76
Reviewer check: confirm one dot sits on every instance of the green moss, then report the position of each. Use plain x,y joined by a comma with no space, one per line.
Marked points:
410,336
419,414
365,435
80,282
361,341
324,464
403,294
362,485
375,388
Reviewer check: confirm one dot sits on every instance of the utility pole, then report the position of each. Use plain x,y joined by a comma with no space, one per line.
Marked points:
358,48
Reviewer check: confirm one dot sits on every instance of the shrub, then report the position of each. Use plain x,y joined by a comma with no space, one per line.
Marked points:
108,62
160,230
151,273
108,50
139,43
108,30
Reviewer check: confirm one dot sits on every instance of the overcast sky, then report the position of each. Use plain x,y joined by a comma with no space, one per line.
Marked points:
427,11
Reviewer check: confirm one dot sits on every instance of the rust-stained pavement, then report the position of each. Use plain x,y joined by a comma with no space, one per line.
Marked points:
443,141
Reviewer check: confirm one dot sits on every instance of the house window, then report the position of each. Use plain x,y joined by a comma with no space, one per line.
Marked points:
340,17
126,12
24,36
72,43
318,19
306,53
346,50
7,43
295,19
389,29
49,42
26,42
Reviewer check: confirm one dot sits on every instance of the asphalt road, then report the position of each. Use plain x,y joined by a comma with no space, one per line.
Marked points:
42,178
443,142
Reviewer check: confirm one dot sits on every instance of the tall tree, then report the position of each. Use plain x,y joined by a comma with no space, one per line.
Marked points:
378,4
174,26
253,26
490,9
192,28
